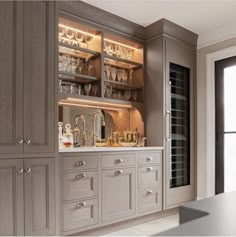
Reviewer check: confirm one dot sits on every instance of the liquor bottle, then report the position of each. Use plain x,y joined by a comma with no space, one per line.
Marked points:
67,136
60,135
76,134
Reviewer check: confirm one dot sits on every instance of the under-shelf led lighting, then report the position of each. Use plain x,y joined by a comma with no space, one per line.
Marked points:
89,106
99,103
124,45
76,30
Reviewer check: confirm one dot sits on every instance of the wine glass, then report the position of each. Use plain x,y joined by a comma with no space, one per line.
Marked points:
108,71
79,37
70,34
61,31
87,88
94,89
131,74
107,47
113,73
109,91
88,40
73,65
60,88
119,75
124,76
80,65
135,95
91,69
127,95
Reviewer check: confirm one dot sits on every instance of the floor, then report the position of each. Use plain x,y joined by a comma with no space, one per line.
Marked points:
149,228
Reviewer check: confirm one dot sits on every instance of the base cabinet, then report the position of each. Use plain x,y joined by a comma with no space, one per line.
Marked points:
27,197
118,193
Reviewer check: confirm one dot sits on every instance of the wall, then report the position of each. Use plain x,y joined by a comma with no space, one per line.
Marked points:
201,111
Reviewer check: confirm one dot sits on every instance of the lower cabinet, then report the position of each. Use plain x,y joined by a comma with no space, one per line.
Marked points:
27,197
118,193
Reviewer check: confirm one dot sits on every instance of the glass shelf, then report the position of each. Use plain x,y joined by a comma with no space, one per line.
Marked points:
122,86
76,78
121,63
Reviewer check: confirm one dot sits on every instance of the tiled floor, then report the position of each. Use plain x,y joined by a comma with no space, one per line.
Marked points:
149,228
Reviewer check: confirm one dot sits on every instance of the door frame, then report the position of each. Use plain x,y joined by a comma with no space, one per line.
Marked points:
211,58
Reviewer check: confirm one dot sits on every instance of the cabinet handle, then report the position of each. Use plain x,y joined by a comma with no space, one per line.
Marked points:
27,141
27,170
20,141
149,169
149,192
81,204
149,159
80,176
118,172
119,161
80,163
20,171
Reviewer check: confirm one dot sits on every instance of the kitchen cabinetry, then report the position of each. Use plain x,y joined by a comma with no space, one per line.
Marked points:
118,193
171,105
33,180
104,187
27,86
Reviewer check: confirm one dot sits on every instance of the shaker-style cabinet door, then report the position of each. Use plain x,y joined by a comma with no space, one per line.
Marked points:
39,196
39,101
118,194
11,77
11,197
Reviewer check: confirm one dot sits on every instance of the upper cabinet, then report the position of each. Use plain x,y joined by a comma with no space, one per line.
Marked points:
27,86
96,64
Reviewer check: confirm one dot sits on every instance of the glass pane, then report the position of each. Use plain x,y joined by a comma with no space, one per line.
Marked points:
180,152
230,98
230,162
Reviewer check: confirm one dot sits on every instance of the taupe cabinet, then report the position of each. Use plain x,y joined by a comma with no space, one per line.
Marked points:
27,77
27,197
102,188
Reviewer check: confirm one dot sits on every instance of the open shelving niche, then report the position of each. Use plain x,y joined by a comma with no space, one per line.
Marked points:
95,53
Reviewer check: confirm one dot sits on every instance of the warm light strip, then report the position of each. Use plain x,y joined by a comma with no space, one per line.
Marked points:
114,42
99,103
76,30
89,106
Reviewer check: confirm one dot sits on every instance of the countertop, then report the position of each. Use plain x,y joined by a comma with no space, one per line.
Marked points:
109,149
215,216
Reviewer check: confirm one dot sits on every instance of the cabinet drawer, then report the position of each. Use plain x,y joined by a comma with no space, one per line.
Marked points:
149,158
149,199
118,160
80,214
80,185
149,176
80,162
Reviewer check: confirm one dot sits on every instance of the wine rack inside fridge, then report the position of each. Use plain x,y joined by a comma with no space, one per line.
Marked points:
179,126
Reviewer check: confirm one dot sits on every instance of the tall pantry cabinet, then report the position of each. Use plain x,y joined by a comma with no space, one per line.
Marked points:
170,106
27,122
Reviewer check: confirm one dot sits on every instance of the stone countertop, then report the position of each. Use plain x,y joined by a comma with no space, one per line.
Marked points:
108,149
215,216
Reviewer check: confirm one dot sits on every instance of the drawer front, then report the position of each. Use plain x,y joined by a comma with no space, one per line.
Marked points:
149,199
118,160
80,185
149,158
149,176
80,214
71,163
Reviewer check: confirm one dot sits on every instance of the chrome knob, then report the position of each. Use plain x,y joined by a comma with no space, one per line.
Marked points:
167,139
81,204
27,141
149,192
149,169
119,161
149,159
80,176
27,170
80,163
20,141
20,171
119,172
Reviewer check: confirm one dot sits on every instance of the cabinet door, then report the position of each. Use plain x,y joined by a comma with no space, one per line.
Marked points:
11,197
180,72
118,194
39,101
11,76
39,196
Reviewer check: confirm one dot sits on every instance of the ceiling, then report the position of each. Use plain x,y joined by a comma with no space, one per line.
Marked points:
212,20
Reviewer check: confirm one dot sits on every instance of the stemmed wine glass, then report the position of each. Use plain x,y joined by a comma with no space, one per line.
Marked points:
88,40
131,74
79,37
87,88
113,73
80,65
135,95
70,35
124,76
94,89
127,95
108,71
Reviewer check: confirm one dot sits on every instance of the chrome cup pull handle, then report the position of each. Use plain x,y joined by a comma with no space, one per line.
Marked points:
81,204
149,169
27,170
20,171
80,176
149,192
20,141
149,158
118,172
27,141
80,163
119,161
